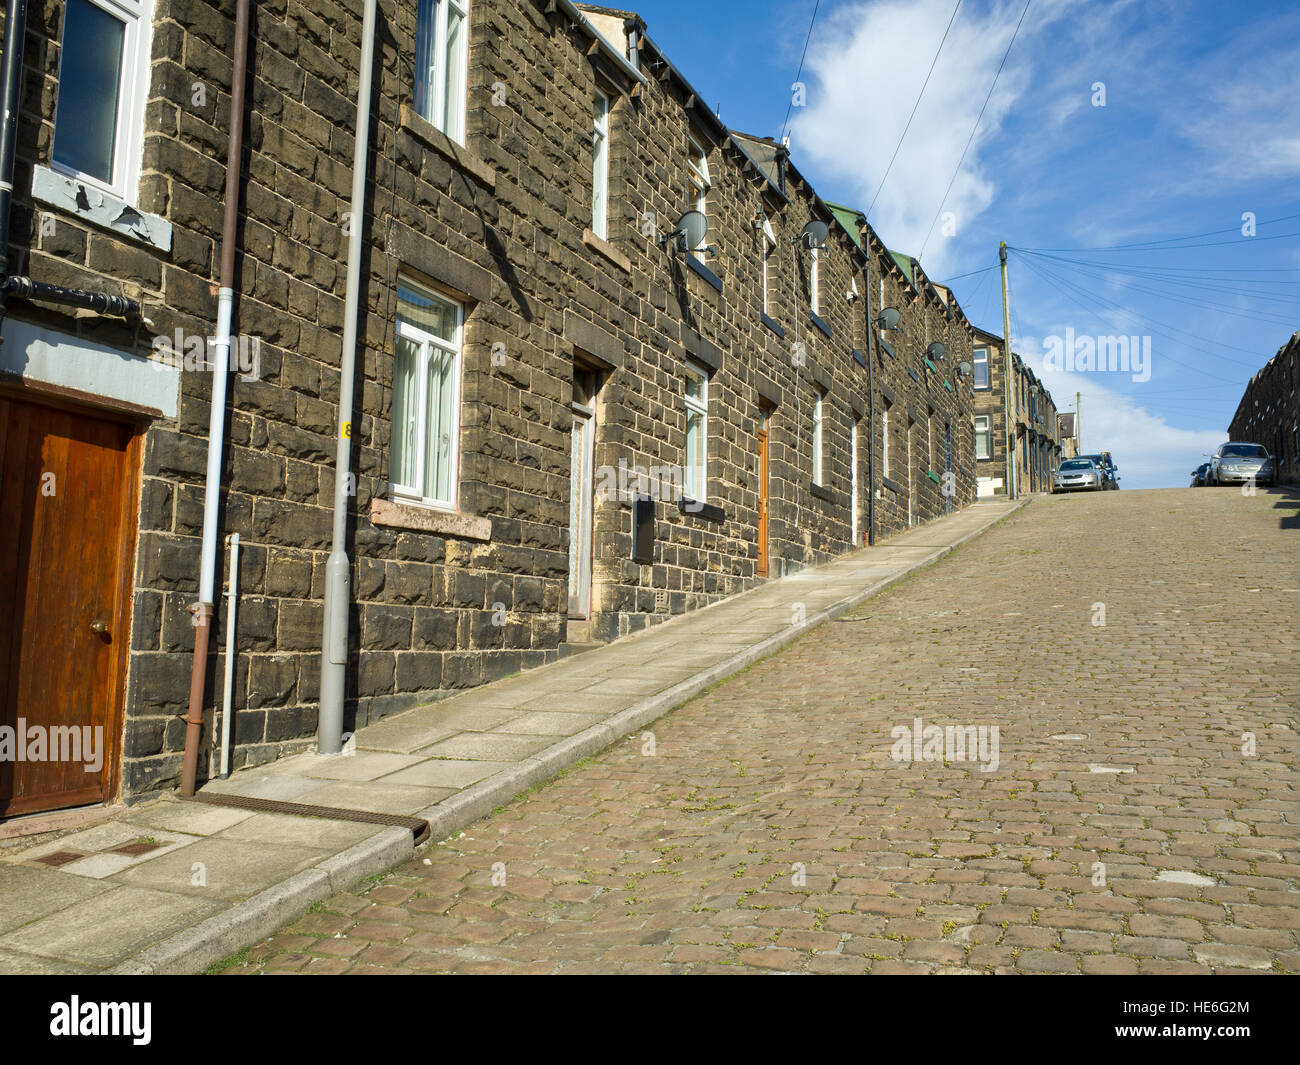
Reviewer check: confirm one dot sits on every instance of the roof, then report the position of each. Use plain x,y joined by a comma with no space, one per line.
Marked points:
905,263
851,219
763,152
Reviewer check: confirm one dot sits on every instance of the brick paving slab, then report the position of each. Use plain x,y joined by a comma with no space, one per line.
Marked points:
1127,827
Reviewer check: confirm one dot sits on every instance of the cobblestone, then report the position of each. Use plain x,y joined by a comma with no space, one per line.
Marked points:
772,829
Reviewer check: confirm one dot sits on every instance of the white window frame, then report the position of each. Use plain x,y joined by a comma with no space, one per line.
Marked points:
818,439
853,482
988,377
769,252
695,479
132,89
814,281
414,493
435,78
987,431
600,165
697,165
884,439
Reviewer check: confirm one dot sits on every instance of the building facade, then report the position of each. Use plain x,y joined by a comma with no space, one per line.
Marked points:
1034,423
569,424
1269,411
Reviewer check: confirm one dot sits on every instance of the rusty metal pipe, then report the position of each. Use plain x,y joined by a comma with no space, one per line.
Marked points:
203,609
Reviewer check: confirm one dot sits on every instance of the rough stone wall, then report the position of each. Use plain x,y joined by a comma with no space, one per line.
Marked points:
499,224
1269,411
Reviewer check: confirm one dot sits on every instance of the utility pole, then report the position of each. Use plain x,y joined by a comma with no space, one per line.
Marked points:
1007,370
1078,423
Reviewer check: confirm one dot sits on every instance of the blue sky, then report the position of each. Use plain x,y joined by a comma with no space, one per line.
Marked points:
1200,127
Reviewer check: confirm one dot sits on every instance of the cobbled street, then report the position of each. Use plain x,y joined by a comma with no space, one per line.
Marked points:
1139,812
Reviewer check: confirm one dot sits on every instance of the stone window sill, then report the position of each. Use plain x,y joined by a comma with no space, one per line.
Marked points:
698,509
820,323
822,493
425,519
773,326
99,208
702,271
427,133
605,248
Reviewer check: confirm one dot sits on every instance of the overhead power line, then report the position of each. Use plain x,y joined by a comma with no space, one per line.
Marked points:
880,188
785,124
978,119
1172,243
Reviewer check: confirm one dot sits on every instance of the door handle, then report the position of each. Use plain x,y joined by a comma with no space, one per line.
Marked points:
99,626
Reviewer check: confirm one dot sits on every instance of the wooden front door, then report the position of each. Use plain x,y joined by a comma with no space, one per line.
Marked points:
761,567
67,538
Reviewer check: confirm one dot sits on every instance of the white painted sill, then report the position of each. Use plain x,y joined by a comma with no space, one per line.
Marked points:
99,208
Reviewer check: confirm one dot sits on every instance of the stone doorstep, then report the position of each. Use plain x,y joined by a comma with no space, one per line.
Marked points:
192,943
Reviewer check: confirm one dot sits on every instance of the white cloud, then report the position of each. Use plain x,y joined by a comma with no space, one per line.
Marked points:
867,66
1149,451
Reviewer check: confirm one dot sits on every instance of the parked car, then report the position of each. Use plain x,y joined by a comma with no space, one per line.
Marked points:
1079,474
1200,474
1237,463
1110,472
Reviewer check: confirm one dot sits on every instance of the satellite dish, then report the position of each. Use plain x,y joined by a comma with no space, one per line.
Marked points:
888,318
936,350
691,228
814,234
963,369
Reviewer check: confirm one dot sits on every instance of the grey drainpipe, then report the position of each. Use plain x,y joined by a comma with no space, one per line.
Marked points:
632,27
334,635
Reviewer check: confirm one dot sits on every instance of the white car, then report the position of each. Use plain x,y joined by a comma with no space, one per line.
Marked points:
1078,475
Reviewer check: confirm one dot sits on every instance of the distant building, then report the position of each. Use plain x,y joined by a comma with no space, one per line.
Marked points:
1068,435
1269,412
1035,424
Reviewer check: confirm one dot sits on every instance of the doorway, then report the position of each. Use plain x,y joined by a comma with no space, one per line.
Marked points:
68,490
581,491
853,483
910,425
762,566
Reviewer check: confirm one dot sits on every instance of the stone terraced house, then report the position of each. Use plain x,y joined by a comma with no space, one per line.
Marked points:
572,420
1269,411
1034,422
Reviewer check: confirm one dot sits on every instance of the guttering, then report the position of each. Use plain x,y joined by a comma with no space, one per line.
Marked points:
202,610
610,52
334,632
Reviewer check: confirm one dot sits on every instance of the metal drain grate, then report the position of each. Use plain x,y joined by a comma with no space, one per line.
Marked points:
418,826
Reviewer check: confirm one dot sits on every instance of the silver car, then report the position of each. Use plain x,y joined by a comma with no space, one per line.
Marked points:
1074,475
1238,463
